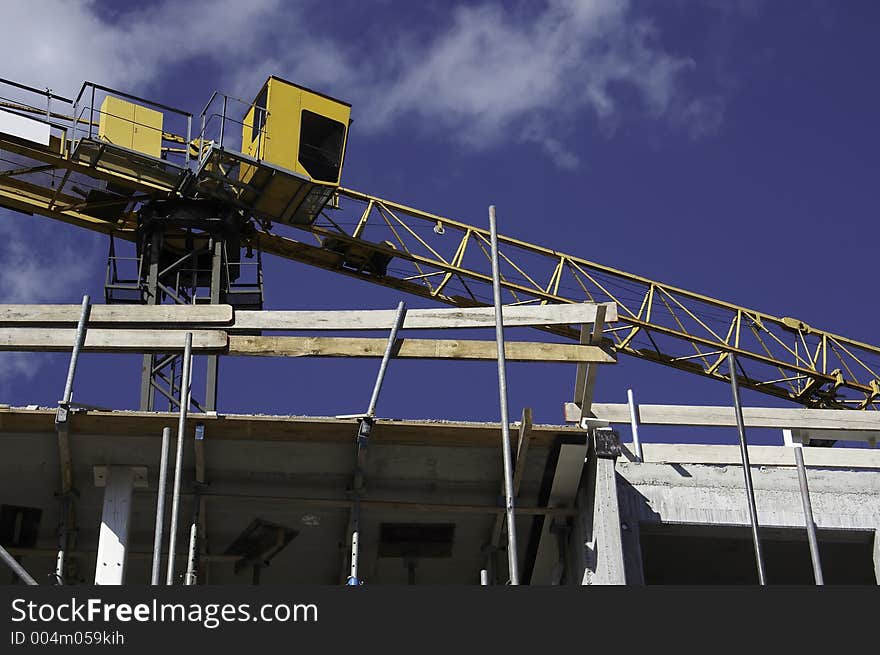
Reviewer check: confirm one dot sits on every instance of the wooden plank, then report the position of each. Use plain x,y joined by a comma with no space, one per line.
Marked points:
516,351
381,319
525,436
755,417
100,340
182,315
57,315
585,381
849,458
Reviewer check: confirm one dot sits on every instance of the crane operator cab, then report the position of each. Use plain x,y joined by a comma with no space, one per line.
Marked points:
302,135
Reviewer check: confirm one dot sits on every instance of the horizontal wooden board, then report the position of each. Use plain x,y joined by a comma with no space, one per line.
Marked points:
49,315
223,315
516,351
101,340
381,319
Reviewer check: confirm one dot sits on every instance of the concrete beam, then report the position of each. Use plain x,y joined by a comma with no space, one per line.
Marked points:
598,537
245,427
847,458
723,416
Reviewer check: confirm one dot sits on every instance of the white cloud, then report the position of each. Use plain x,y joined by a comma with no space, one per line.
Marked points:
38,267
491,68
491,72
61,43
496,74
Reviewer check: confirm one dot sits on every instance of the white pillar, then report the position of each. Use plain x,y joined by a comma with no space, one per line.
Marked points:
115,521
599,515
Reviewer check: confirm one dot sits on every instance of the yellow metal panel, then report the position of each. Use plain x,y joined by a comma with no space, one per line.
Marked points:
147,137
278,140
116,124
126,124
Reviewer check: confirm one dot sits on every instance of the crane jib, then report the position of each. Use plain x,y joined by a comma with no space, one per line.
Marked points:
57,160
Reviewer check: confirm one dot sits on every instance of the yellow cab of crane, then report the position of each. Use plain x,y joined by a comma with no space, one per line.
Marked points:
300,131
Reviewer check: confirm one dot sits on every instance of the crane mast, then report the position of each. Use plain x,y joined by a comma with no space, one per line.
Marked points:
288,202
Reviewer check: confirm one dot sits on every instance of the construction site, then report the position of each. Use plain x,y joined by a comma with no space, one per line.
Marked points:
177,491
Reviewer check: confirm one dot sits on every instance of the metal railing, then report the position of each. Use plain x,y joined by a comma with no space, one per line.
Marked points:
87,114
217,118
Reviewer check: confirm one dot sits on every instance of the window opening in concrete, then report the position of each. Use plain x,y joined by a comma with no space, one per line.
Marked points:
721,554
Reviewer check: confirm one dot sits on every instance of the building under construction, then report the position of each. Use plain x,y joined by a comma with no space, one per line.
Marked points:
176,491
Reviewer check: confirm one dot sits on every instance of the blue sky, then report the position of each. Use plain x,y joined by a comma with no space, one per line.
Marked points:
725,147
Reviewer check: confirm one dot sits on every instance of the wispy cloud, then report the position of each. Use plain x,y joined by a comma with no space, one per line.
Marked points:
495,75
486,73
60,43
37,267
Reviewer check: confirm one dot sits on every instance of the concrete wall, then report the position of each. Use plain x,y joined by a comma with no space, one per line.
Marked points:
660,493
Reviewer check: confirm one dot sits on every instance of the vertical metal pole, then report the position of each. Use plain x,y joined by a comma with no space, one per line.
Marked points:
512,559
160,508
634,424
212,369
190,578
63,539
223,121
364,429
148,395
75,122
202,137
484,578
61,424
17,568
188,138
808,515
178,461
78,342
747,472
355,539
92,112
389,348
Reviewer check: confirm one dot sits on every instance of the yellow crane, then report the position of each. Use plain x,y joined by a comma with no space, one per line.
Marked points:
266,175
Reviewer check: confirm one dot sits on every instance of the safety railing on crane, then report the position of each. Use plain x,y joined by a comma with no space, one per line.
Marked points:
223,122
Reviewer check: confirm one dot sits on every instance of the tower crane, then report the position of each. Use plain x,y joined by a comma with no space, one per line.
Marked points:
191,192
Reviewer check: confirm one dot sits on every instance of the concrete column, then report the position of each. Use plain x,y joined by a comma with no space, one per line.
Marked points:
115,523
599,514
